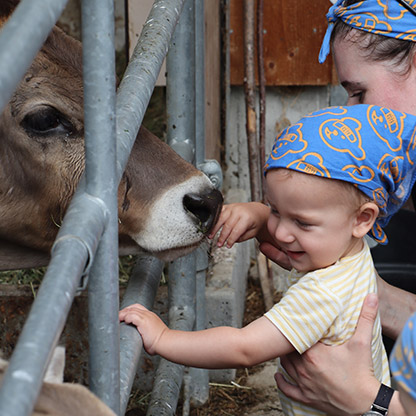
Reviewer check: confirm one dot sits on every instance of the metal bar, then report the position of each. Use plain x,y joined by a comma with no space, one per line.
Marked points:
133,97
180,91
168,379
199,389
199,72
199,377
180,86
20,39
142,288
140,76
100,173
70,257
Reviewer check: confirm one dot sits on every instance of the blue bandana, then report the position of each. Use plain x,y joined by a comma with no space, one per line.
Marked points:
382,17
371,147
403,360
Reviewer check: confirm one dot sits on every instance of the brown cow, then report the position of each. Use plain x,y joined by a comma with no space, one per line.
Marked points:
165,204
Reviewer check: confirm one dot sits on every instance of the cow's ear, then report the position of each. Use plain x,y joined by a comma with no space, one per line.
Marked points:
7,7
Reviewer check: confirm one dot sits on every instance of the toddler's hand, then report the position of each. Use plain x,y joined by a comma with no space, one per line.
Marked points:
149,325
239,222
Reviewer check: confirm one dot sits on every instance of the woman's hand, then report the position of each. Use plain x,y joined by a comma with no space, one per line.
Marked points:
396,306
273,252
340,379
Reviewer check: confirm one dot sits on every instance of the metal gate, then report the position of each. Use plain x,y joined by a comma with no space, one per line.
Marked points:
86,248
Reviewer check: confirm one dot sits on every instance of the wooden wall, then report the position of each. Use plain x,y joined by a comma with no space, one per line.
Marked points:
293,32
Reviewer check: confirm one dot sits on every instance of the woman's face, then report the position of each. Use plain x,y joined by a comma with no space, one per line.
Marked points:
372,82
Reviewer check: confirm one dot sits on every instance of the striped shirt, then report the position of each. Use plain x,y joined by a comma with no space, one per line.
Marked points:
324,305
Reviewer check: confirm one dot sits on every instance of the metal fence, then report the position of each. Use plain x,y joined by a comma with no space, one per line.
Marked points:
86,247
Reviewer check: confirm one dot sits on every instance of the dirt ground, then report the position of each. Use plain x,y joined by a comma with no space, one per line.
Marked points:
256,393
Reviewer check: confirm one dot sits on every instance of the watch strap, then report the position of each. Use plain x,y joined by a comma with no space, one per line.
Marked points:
382,401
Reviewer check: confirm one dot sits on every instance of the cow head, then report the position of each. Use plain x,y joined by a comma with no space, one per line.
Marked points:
165,204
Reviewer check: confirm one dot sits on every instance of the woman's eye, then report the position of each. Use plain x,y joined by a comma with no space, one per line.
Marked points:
359,96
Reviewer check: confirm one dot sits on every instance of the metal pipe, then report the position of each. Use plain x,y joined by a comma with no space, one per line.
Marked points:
70,257
199,389
142,288
180,97
199,74
199,378
133,97
140,76
20,39
180,86
168,379
100,180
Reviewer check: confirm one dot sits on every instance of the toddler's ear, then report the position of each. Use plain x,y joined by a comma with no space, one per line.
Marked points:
365,219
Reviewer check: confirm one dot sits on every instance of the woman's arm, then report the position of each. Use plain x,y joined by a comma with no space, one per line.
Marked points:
396,306
338,380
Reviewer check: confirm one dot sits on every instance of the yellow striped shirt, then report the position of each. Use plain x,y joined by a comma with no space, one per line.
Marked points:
324,305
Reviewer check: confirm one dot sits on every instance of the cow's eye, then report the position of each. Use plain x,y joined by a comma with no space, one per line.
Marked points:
47,121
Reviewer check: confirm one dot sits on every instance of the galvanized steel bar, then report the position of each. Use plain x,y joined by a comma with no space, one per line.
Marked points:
133,97
180,88
199,378
101,181
140,76
76,242
168,379
199,388
199,74
142,288
20,39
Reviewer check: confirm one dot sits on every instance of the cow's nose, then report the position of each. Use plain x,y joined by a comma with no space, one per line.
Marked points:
204,207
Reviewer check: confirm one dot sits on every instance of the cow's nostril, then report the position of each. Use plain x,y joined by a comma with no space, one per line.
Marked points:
204,207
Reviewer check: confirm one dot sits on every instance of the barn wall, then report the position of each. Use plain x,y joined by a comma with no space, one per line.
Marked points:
292,36
296,83
284,106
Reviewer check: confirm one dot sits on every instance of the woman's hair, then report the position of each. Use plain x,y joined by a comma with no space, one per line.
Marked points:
377,47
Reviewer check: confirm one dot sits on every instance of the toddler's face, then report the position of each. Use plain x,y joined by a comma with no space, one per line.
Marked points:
309,220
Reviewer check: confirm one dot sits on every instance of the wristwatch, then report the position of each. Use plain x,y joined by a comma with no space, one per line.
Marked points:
380,407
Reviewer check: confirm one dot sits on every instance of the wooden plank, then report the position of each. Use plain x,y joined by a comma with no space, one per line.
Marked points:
293,33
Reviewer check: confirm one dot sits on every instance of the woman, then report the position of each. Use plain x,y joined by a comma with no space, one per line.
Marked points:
374,49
